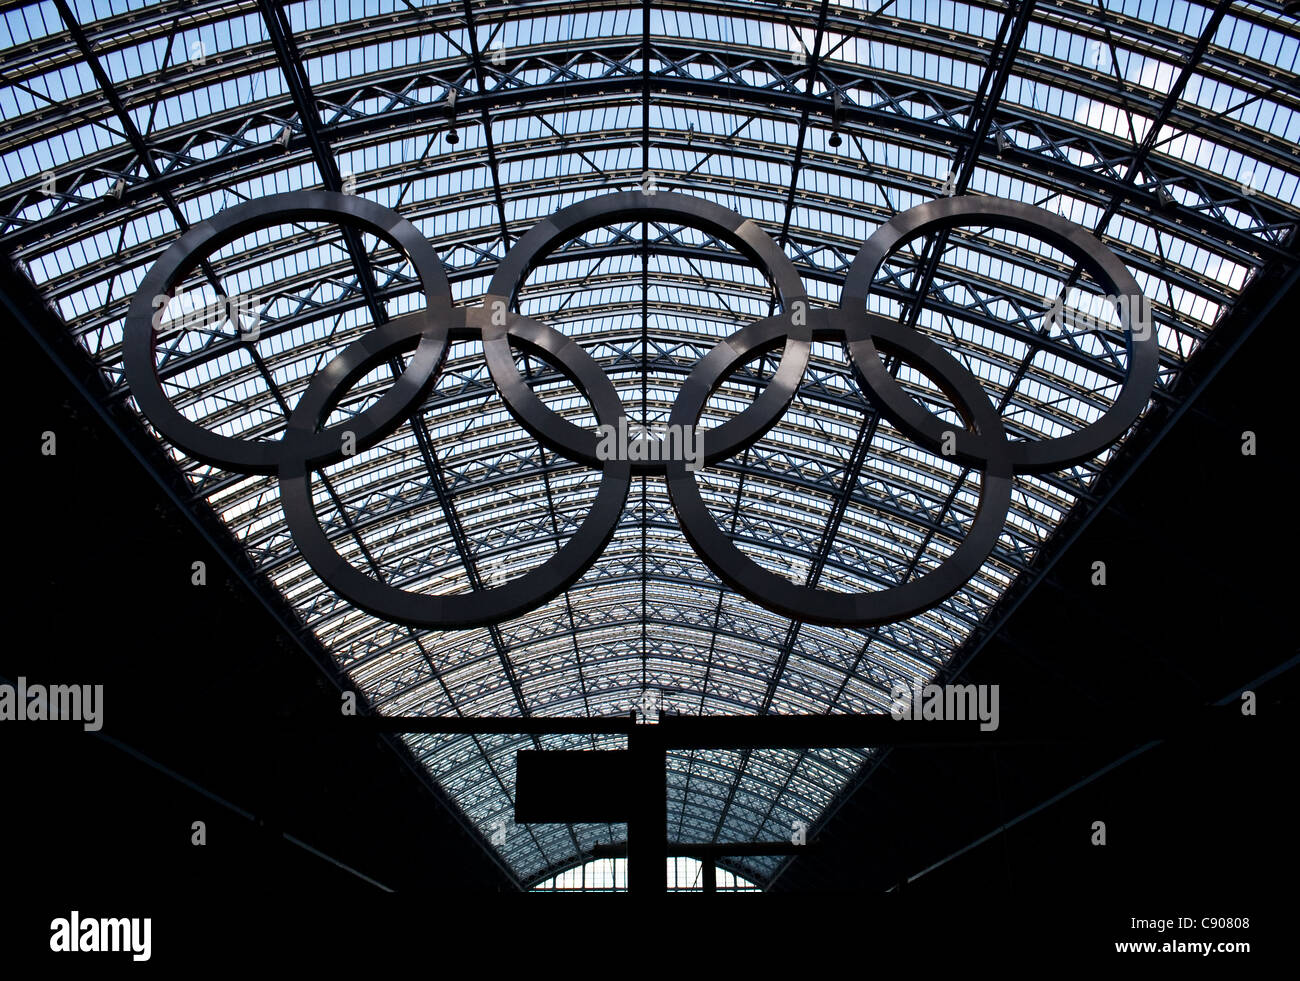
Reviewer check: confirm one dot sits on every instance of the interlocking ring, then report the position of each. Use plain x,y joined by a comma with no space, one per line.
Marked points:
822,606
482,606
563,437
1039,456
307,445
325,446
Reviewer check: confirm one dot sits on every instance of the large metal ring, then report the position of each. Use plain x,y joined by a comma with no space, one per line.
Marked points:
747,237
478,607
1036,456
263,456
896,602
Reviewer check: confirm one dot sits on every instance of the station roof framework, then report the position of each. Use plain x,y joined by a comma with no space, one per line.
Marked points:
1170,129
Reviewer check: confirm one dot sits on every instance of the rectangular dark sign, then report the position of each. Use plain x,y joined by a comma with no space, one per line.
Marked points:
562,786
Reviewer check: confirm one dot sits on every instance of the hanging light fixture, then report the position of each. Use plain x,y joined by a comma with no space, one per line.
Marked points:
452,136
837,112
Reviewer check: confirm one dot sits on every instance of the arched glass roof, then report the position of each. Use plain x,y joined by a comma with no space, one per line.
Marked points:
1168,128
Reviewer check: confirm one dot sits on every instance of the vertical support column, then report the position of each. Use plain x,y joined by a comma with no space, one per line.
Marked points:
710,874
647,825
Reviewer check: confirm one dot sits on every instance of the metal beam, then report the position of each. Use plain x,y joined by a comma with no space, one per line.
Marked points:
1180,220
485,119
750,732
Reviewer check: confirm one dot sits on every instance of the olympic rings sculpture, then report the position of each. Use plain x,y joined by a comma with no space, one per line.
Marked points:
307,445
